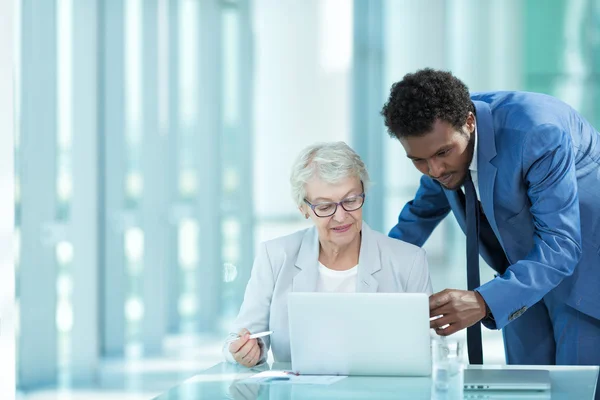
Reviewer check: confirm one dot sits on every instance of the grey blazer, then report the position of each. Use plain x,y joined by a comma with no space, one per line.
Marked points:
290,264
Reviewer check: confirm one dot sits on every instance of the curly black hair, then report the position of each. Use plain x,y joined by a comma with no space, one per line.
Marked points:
423,97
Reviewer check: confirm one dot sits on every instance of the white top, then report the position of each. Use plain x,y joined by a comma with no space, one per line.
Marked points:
331,280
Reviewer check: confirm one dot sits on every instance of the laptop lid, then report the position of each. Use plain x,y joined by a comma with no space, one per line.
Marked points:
506,379
380,334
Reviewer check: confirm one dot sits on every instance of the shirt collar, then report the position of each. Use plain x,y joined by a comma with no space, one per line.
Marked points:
473,166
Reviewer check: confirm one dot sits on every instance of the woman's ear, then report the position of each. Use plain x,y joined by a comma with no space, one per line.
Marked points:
303,211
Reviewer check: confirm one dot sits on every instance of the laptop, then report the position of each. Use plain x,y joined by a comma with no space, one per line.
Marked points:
370,334
507,380
507,395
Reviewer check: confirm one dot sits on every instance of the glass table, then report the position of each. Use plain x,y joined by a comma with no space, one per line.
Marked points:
223,381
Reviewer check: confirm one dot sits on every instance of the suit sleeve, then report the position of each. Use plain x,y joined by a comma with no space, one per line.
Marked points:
549,174
420,216
255,310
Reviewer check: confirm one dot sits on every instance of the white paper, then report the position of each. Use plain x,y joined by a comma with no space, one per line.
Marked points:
274,377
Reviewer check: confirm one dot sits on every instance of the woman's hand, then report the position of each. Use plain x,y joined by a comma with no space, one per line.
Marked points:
244,350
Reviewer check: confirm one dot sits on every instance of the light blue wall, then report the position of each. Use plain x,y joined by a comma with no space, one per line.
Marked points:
156,139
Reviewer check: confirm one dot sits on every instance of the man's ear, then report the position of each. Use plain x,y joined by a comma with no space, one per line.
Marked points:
470,123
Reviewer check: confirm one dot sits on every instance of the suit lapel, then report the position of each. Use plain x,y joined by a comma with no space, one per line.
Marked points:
308,263
458,207
485,169
369,262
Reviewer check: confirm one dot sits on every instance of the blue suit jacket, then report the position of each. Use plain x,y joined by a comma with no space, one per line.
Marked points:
539,183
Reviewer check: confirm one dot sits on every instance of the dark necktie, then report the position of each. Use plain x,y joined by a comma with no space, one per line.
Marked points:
474,345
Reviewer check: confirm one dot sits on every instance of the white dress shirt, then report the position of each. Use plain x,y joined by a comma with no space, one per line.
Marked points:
473,166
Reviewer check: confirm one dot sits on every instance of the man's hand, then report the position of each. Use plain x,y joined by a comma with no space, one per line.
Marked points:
458,309
244,350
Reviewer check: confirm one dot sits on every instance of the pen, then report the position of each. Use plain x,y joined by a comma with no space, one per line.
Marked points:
253,336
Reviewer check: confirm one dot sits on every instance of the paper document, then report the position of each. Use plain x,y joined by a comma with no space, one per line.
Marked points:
270,377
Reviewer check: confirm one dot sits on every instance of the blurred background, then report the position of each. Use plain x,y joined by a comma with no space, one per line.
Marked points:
154,140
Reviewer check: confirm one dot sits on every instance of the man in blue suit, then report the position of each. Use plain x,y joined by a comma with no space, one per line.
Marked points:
521,173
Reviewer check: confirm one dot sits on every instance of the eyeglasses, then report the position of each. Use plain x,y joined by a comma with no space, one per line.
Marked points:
329,208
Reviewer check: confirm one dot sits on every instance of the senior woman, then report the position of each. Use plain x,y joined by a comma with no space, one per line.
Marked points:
339,253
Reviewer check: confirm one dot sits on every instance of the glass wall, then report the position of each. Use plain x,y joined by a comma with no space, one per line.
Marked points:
8,44
154,140
302,73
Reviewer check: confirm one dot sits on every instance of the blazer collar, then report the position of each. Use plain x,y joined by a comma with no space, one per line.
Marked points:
486,145
369,262
486,170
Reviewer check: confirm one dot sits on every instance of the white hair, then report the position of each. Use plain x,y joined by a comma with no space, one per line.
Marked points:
331,162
